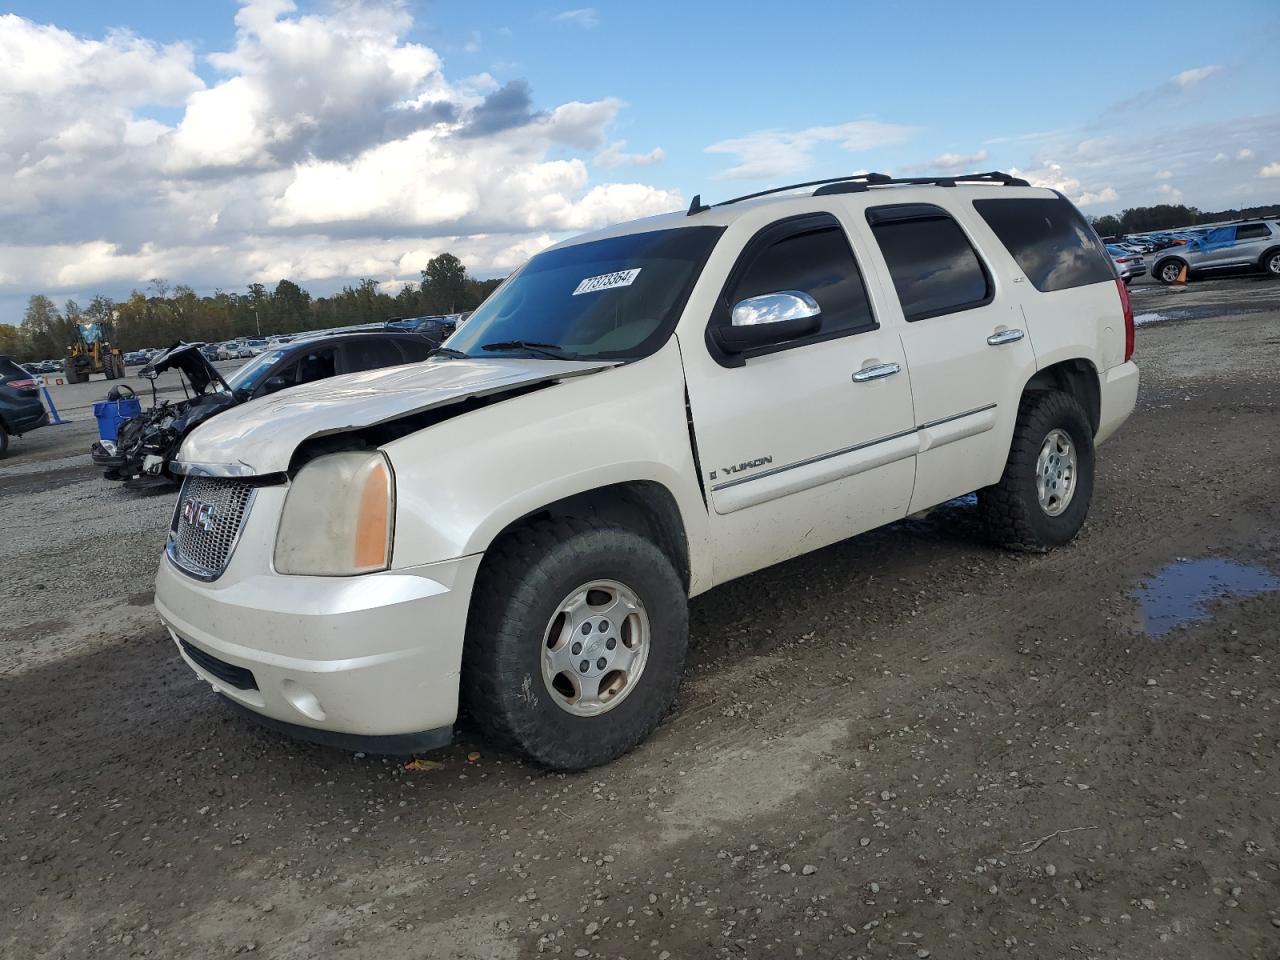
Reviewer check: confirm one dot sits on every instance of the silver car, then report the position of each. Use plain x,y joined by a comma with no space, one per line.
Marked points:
1250,243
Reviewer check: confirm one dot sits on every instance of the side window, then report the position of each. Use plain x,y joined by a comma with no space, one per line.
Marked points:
935,269
811,254
1049,239
1252,231
370,353
315,365
414,350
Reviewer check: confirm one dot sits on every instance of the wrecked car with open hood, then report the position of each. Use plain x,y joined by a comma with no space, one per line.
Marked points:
147,443
630,419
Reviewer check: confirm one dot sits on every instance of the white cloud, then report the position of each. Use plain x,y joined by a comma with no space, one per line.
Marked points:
1189,78
582,17
1270,170
953,162
1090,198
326,147
1244,154
1164,174
615,155
773,153
1218,157
1169,193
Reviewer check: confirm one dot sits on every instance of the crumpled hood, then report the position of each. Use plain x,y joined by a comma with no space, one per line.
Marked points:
260,437
187,358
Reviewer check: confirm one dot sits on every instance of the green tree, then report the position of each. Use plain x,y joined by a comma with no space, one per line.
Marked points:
1108,226
444,284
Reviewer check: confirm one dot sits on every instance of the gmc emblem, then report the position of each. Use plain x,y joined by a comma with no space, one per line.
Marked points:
198,514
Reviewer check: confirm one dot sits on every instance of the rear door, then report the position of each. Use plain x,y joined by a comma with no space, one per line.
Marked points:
1252,240
965,344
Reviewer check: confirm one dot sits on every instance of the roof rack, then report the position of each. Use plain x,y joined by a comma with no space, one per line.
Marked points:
860,182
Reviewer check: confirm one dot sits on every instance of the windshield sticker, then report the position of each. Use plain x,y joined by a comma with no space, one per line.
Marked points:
623,278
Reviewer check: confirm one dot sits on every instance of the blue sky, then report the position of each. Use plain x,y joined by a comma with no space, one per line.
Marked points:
496,128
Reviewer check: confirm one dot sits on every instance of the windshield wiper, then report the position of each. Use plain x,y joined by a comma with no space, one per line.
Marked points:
449,352
552,351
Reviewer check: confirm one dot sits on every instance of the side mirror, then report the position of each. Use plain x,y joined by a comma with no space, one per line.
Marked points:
273,384
768,319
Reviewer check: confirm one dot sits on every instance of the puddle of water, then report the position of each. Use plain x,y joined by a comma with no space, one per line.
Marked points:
1181,592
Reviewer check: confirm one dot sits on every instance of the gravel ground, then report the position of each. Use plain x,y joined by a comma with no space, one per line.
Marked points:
902,746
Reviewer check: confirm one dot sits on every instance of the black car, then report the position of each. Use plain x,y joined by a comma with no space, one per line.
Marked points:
146,444
435,329
20,408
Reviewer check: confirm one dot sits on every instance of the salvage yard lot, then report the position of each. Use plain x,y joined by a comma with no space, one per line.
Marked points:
906,745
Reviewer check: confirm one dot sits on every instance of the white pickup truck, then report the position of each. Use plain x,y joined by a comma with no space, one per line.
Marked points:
633,417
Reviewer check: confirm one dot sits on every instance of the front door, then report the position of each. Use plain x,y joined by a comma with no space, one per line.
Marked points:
809,441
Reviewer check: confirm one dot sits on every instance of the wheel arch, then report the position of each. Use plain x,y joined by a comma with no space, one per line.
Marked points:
1267,255
1161,261
644,506
1077,378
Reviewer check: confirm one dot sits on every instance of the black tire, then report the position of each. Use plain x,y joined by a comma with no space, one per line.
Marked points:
522,581
71,373
1167,270
1127,278
1271,263
4,440
1010,511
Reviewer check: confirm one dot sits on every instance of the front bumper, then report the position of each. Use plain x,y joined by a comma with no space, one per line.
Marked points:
369,662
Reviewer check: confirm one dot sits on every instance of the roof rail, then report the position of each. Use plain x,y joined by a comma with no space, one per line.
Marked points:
860,182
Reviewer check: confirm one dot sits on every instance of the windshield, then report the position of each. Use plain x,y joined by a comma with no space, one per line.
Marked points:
248,377
605,299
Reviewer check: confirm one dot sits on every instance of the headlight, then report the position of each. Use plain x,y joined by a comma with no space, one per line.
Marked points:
338,517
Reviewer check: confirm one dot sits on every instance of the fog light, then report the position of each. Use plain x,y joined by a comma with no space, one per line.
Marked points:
302,700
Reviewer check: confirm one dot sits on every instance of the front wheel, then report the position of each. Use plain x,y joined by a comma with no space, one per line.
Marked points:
1271,263
1043,496
575,642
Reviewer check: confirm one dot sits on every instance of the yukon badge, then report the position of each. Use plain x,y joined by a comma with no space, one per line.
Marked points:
745,465
198,514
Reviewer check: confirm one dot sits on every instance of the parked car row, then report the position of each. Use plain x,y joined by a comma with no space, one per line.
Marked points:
1202,251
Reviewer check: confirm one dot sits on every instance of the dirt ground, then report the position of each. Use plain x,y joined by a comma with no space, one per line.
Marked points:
906,745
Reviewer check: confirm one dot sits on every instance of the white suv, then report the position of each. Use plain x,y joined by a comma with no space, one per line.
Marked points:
632,418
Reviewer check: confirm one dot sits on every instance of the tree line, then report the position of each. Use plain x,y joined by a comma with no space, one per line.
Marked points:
163,314
1168,216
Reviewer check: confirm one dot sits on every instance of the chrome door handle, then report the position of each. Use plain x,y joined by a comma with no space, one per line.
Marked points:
1005,336
876,372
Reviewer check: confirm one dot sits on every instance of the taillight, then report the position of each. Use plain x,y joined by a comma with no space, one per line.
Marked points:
1127,305
24,384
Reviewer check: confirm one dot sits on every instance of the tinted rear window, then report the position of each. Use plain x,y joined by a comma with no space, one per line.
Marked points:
934,267
1050,241
10,369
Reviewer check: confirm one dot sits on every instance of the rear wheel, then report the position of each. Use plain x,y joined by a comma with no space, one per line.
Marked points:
575,643
1169,270
71,372
1043,496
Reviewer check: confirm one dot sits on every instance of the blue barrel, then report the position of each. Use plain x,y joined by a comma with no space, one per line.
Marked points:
110,413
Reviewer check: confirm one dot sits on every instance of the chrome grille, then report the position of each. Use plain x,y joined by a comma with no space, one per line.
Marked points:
207,523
